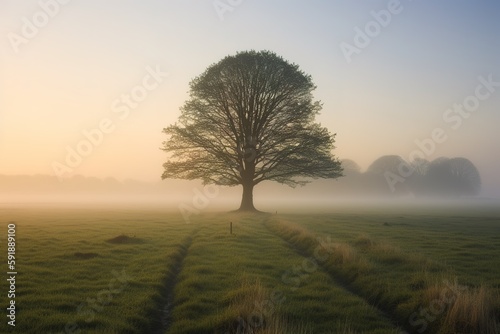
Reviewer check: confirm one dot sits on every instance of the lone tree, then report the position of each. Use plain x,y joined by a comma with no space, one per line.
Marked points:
250,118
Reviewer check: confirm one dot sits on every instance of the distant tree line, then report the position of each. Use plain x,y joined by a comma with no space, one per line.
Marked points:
388,176
392,175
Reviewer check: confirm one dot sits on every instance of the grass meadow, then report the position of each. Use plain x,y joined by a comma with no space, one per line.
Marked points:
126,270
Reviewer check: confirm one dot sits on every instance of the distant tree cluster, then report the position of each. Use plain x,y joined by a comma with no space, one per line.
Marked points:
392,175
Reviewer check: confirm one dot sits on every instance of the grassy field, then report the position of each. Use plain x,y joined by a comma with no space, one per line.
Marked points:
146,271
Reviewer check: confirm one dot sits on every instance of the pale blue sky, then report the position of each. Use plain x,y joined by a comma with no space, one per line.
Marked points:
395,91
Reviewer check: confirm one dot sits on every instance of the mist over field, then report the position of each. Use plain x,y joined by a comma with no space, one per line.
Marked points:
237,166
356,190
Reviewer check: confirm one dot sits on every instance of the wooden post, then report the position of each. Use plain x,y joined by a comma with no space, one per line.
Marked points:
230,227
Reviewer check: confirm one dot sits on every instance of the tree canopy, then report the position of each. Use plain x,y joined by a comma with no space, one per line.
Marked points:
250,118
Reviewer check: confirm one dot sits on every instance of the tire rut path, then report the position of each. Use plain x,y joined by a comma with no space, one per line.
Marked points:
344,284
163,315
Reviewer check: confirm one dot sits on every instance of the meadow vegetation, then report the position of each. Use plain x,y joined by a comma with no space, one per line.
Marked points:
147,271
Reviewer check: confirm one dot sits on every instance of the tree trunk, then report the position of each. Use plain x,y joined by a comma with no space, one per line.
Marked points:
247,198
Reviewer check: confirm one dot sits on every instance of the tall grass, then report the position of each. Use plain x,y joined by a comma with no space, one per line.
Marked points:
252,292
473,312
364,271
304,240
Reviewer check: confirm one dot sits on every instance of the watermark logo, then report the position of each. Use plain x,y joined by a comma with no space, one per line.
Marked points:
454,117
223,6
94,137
30,27
371,30
88,309
200,201
292,278
426,315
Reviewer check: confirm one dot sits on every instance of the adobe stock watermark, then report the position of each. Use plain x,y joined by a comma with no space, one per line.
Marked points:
454,118
200,201
223,6
371,30
426,315
121,107
292,278
299,273
88,309
31,26
262,310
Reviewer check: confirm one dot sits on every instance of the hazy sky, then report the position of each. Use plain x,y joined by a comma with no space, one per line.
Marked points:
385,81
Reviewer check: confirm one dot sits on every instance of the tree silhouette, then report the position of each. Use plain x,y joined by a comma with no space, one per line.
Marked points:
418,181
350,167
379,174
250,118
453,177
